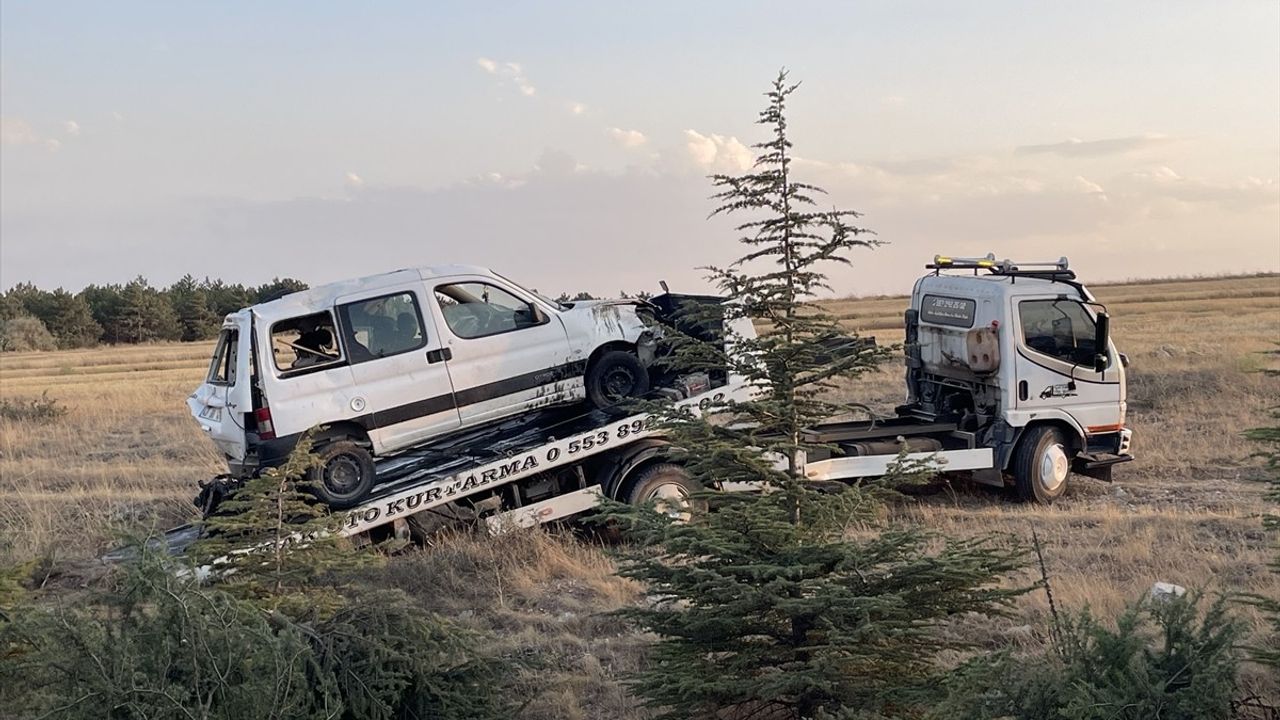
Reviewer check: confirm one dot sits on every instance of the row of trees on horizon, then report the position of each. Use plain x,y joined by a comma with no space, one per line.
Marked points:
189,310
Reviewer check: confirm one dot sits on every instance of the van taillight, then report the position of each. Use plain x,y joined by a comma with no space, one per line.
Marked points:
266,430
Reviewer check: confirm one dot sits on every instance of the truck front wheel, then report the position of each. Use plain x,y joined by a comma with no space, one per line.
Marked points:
1041,465
343,473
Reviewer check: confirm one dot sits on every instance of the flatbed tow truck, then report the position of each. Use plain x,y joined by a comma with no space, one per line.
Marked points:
1011,379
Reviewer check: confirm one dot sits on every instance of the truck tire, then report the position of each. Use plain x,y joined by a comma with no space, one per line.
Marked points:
668,486
1041,465
613,378
343,474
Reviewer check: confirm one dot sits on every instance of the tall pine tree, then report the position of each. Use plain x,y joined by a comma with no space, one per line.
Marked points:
784,604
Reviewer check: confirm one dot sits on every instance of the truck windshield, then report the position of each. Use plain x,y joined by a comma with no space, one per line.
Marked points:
222,370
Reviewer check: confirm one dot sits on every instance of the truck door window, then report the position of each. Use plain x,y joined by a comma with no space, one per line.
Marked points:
305,342
222,370
382,326
476,309
1061,329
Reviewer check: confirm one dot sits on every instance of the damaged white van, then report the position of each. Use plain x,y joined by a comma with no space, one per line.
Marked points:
386,362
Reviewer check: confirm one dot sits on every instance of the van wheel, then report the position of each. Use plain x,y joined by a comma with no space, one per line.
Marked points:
669,487
1041,466
616,376
343,474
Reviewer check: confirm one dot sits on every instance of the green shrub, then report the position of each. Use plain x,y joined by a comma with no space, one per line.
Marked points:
1164,659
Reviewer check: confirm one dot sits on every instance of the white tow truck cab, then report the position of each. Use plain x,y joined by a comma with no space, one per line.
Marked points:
1010,358
383,363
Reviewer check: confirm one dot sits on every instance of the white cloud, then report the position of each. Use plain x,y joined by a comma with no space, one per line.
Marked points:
117,116
71,127
354,181
1075,147
717,153
577,108
16,131
628,138
511,72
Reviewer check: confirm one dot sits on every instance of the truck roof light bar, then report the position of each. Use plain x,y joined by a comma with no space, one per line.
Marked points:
1050,269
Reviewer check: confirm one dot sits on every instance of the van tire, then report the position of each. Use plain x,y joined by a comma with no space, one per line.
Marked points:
661,481
615,377
343,474
1041,465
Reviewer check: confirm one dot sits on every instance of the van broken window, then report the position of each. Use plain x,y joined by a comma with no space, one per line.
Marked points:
305,342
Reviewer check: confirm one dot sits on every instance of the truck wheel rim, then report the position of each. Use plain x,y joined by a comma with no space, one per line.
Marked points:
1053,468
342,474
671,500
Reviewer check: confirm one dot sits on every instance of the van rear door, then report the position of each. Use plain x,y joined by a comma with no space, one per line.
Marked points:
220,404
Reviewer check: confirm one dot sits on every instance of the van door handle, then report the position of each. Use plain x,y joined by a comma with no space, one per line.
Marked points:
435,356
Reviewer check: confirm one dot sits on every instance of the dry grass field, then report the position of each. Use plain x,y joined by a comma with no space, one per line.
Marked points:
1185,512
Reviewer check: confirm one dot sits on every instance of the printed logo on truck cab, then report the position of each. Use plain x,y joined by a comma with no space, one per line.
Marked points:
943,310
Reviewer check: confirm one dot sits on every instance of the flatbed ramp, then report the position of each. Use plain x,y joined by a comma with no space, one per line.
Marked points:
436,475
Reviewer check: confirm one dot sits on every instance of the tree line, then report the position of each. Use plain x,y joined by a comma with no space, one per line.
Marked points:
188,310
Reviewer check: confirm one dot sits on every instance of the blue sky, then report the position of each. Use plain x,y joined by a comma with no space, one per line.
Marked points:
565,144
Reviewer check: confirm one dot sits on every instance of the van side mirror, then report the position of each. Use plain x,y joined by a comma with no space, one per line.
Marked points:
1101,342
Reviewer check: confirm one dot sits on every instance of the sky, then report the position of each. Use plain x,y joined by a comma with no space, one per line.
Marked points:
567,144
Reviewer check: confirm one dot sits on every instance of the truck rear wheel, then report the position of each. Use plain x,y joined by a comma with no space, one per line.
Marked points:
1041,465
343,473
615,377
668,486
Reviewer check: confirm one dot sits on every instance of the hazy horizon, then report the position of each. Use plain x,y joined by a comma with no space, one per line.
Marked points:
566,146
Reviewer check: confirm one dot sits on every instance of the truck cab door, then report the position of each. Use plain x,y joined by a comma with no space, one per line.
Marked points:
220,404
1055,364
402,387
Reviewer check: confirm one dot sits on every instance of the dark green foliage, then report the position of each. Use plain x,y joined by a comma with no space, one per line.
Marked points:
274,543
760,614
785,604
789,243
1164,659
67,317
152,645
196,320
277,288
276,630
156,644
1269,436
135,312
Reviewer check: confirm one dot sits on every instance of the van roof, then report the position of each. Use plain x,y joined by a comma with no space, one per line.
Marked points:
325,296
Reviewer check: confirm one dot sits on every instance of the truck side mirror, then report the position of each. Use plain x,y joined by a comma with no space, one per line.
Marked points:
1101,342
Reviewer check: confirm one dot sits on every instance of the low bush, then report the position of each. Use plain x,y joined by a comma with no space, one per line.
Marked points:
43,409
